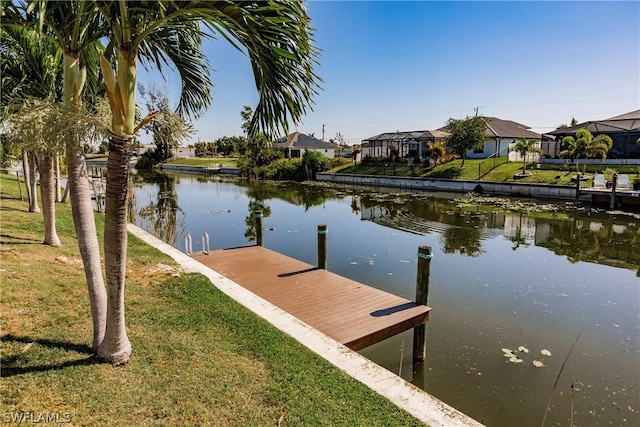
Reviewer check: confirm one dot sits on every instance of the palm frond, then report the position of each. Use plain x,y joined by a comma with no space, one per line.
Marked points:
30,65
180,46
279,42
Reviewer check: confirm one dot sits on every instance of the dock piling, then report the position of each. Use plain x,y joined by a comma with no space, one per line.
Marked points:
322,246
612,200
422,297
188,245
259,236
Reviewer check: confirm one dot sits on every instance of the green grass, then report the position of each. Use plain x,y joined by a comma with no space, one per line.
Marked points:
503,172
202,161
399,169
198,357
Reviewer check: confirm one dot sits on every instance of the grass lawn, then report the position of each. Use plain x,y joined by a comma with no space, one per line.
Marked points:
545,174
203,161
198,357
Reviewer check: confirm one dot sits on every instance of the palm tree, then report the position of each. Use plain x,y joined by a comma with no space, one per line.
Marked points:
277,39
77,28
32,69
523,147
584,145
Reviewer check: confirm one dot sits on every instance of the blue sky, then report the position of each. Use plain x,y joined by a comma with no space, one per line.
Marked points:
412,65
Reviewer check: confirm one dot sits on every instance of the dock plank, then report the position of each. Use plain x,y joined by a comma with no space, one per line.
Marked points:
350,312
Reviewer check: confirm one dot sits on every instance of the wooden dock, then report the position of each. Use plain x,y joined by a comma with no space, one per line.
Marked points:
352,313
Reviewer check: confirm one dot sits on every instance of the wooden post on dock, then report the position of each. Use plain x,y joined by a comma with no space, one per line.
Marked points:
258,217
322,246
612,201
422,297
578,176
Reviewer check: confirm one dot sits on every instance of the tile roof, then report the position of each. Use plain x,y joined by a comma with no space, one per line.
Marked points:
301,140
498,128
628,122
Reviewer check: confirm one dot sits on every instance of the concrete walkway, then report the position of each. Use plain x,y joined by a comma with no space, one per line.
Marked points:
417,402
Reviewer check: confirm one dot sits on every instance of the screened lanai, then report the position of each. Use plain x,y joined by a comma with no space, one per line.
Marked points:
409,144
624,130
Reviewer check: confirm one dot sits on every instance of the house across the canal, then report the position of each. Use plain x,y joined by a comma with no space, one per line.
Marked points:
624,130
500,135
295,144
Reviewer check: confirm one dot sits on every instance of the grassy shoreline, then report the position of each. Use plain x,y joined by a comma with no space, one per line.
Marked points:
503,172
198,358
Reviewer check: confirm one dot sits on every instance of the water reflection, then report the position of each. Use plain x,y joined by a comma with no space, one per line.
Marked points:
579,236
499,279
160,211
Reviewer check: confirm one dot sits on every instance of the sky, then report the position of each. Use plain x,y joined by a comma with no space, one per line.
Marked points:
391,66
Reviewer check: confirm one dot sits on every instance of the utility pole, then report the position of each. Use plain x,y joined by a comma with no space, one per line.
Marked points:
323,125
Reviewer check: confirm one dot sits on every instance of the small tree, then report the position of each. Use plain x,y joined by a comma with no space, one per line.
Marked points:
312,162
355,150
464,135
168,128
436,152
585,146
523,147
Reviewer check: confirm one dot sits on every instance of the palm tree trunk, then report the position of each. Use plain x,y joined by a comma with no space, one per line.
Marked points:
33,183
85,226
47,189
82,208
58,181
116,347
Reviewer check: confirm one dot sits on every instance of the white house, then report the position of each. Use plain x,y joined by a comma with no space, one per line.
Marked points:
184,152
502,135
295,144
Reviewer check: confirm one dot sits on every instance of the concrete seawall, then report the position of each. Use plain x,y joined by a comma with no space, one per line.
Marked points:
417,402
539,191
198,169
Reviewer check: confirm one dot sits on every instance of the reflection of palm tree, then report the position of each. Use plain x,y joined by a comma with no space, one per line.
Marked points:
163,214
355,204
518,239
249,220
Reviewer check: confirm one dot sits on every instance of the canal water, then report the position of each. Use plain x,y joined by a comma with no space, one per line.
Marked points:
533,308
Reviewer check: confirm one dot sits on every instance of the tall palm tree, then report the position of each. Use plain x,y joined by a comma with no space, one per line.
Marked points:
77,28
277,39
32,68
